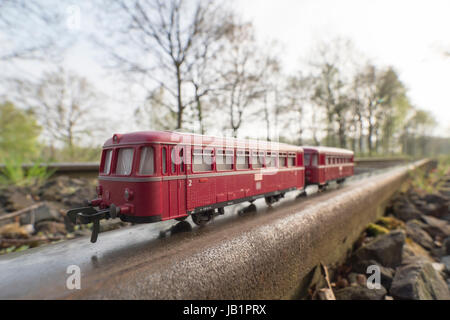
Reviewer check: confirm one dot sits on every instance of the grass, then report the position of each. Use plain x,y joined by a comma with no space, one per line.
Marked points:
13,173
424,182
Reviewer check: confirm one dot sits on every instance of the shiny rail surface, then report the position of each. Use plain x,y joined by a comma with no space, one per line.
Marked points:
90,169
267,254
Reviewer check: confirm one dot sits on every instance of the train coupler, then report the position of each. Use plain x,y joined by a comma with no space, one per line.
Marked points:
85,215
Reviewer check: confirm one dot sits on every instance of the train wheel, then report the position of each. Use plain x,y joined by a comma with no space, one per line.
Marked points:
270,200
202,218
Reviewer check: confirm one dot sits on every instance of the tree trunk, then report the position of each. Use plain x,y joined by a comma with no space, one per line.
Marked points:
199,110
179,101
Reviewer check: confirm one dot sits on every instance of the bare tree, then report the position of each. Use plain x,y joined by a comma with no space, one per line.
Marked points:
65,104
164,42
241,72
333,66
298,93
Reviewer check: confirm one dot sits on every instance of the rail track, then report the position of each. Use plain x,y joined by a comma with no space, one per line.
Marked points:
264,255
90,169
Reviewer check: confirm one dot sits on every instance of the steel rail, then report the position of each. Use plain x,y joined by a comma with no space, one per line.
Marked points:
269,255
90,169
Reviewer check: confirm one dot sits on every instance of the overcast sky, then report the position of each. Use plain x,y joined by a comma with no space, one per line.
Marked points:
410,35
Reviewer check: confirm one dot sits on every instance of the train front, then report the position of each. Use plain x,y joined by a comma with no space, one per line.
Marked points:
128,185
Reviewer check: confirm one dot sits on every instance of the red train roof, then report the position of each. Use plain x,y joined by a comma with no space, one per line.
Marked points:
173,137
328,150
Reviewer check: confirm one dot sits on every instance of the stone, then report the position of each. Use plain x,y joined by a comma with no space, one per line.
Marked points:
446,262
386,249
358,279
405,210
71,192
412,253
14,231
17,200
44,212
435,198
440,267
436,227
386,274
51,227
360,293
415,231
326,294
419,281
446,245
436,210
342,283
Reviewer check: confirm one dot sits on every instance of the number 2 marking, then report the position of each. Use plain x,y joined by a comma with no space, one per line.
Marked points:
189,183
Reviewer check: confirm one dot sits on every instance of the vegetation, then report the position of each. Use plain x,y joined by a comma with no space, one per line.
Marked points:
13,173
19,132
200,69
374,230
424,182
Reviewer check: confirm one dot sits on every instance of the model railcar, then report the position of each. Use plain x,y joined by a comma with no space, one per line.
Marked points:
155,176
160,175
325,164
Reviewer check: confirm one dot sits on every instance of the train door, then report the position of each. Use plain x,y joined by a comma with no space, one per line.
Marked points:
322,165
177,182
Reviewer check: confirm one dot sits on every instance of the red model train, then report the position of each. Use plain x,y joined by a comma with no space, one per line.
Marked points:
154,176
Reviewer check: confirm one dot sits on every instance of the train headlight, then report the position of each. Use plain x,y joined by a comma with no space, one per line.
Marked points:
128,195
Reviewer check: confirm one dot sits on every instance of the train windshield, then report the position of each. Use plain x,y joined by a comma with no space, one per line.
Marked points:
107,165
124,161
146,164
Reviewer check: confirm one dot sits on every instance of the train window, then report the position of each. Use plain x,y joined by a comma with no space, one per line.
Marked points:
197,160
257,159
291,160
107,162
164,160
271,159
147,163
202,160
307,159
242,159
314,160
124,161
224,159
283,159
176,158
173,168
182,160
